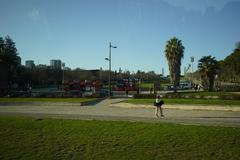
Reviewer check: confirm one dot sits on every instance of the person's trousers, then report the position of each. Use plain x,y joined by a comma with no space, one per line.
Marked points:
159,111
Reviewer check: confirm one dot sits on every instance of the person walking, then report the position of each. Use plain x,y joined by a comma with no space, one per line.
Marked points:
158,104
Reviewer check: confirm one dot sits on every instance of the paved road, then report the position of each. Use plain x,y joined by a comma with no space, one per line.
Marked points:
109,110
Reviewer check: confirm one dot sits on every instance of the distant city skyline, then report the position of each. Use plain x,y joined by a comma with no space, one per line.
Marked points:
53,63
78,32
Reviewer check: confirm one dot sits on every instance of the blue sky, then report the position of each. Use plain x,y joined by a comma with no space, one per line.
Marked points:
79,31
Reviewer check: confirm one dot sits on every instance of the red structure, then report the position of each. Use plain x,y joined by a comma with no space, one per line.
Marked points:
82,86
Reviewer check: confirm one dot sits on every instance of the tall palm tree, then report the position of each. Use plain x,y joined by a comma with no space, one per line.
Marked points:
208,66
174,53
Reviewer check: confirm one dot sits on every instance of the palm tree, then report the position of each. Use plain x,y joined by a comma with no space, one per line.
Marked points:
174,54
208,66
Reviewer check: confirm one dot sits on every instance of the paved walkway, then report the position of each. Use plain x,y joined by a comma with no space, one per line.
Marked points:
112,109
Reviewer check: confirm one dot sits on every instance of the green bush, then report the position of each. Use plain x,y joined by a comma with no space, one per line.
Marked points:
179,95
230,97
142,96
193,95
204,95
231,88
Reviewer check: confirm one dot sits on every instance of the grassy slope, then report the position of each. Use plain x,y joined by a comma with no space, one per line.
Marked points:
29,138
189,101
46,99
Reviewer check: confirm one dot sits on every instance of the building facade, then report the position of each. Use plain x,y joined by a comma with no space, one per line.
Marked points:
29,64
42,66
55,64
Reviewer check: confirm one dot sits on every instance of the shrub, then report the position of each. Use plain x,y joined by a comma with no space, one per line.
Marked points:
142,96
204,95
188,95
177,95
230,88
232,97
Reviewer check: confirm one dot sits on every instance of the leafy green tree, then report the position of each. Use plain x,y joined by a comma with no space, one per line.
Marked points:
237,45
8,52
174,53
9,57
208,67
230,66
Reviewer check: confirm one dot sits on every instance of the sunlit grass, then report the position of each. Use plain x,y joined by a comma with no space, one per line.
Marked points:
31,138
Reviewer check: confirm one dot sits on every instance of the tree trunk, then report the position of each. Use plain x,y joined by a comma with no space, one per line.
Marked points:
211,83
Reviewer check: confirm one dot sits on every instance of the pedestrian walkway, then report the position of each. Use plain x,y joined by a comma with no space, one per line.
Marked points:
108,109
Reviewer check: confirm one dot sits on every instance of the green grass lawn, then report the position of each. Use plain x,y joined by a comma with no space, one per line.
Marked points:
31,138
146,85
47,99
188,101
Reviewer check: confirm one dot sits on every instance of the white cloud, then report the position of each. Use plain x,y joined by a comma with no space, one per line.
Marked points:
199,5
34,14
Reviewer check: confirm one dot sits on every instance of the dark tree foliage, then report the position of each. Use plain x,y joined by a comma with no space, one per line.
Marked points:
230,67
9,57
208,67
237,48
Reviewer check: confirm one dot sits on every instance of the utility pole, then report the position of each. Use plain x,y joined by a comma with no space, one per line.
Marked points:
63,67
192,60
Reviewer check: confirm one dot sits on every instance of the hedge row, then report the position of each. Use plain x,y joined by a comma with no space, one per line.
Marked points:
143,96
179,95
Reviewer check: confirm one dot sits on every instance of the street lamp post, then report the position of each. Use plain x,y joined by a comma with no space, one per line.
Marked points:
109,59
192,60
63,67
